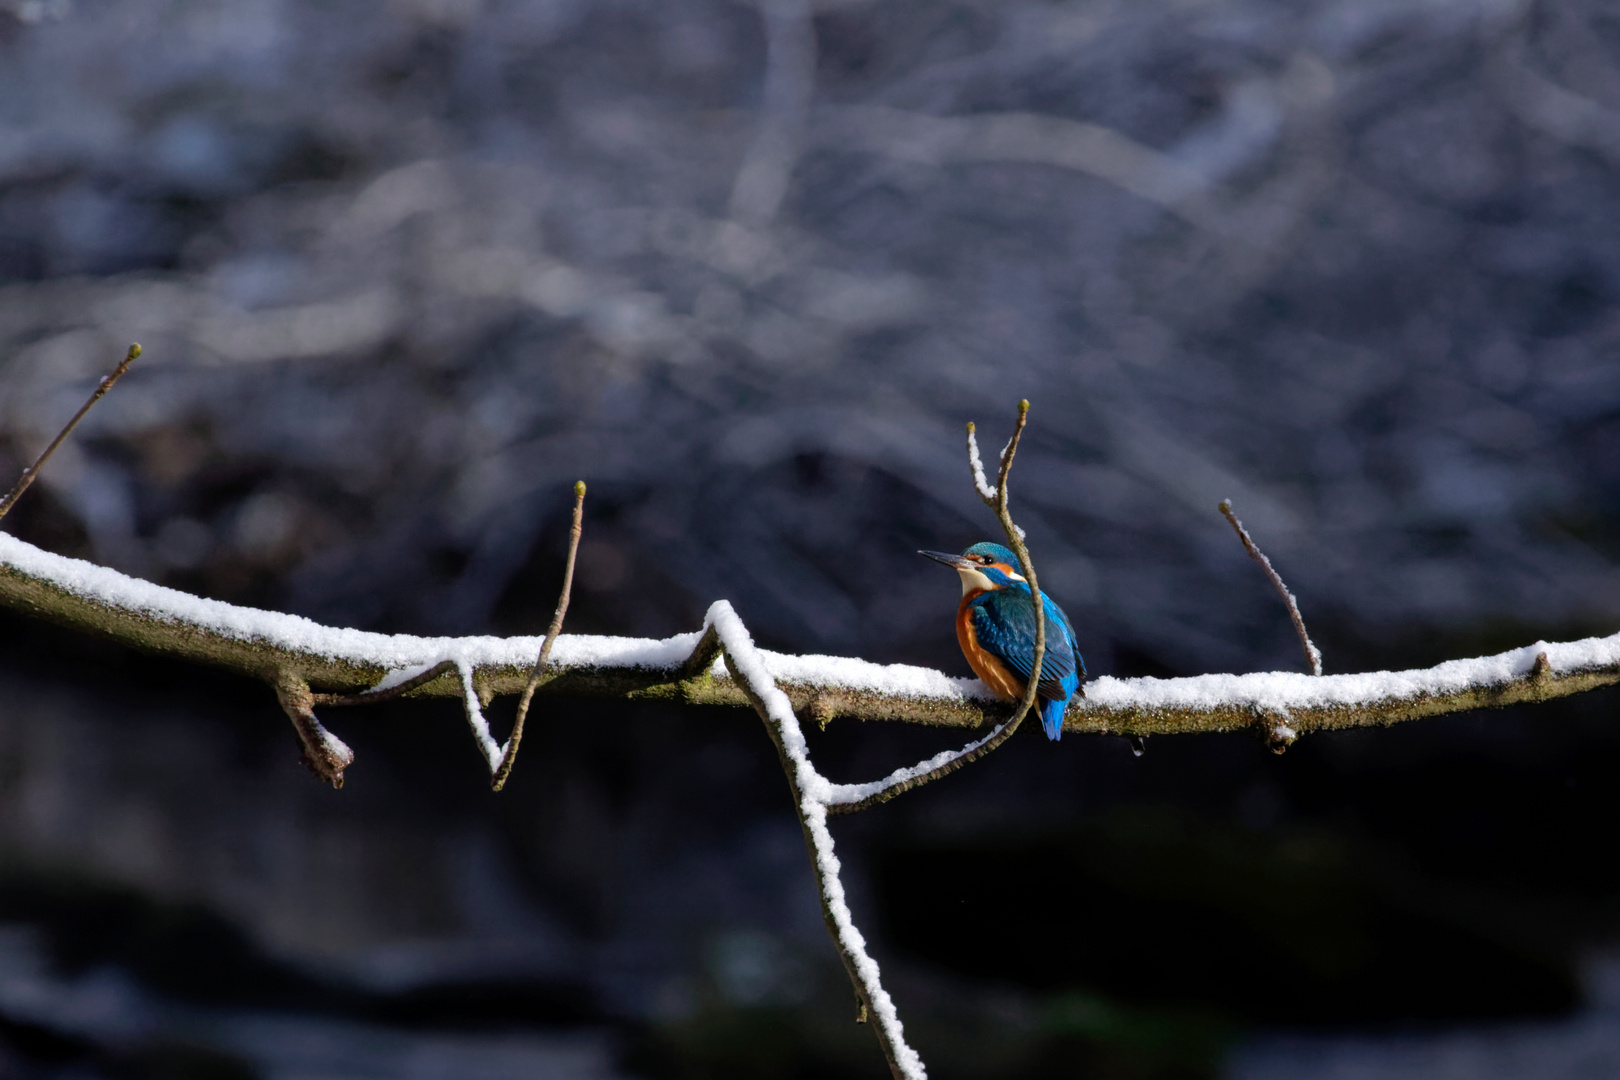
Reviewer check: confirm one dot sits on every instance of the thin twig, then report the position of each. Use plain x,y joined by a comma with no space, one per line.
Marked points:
552,631
702,658
373,697
1007,453
1313,655
32,471
1015,537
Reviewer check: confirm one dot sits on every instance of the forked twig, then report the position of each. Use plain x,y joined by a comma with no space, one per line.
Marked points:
32,471
1313,655
326,755
510,755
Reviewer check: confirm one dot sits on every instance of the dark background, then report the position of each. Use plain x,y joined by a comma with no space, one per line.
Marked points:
404,271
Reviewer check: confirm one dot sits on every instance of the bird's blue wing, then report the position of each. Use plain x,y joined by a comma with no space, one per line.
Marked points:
1004,623
1068,634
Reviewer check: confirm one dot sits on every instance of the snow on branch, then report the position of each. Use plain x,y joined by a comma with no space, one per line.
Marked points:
980,483
345,663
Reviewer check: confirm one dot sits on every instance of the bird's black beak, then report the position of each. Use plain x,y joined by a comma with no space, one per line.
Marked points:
955,562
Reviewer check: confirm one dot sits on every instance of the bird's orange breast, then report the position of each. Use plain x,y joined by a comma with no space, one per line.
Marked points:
996,675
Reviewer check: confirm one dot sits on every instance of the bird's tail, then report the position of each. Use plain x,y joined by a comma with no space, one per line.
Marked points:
1052,718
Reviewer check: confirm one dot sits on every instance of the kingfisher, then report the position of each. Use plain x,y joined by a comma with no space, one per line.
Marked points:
995,625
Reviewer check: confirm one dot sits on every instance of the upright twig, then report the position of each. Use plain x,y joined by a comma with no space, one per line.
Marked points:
860,797
510,756
1015,538
1313,655
32,471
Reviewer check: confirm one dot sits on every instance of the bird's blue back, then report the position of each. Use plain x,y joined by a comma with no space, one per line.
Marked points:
1004,624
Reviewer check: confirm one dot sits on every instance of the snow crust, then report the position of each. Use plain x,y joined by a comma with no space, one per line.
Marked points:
890,680
404,655
1282,691
985,488
493,751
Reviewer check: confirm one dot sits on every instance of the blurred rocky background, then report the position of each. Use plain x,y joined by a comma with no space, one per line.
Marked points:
404,271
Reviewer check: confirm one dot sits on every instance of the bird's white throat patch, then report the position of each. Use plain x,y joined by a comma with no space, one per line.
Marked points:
976,581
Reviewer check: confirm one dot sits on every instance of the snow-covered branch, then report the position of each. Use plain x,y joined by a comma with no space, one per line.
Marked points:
264,644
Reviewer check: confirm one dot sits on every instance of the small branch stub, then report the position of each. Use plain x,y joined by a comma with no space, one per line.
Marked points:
325,754
822,710
1279,737
1276,730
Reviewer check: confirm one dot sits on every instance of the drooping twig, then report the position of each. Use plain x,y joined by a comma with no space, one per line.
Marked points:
492,752
101,389
1313,655
908,779
504,770
325,754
